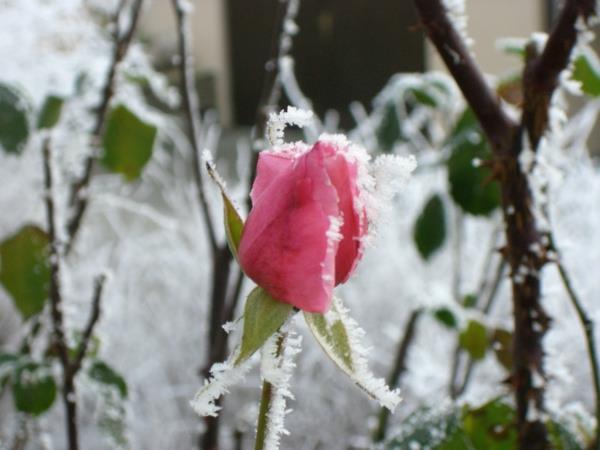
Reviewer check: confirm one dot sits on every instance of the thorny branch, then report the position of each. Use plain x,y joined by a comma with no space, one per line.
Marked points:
70,367
79,197
522,234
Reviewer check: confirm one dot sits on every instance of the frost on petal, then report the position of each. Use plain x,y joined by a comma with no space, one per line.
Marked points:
277,369
223,376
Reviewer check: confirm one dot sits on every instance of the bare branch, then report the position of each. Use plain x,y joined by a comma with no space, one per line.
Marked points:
542,73
68,391
397,370
498,127
89,328
192,114
78,197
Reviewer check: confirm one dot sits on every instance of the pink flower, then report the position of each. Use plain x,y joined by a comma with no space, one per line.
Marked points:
303,234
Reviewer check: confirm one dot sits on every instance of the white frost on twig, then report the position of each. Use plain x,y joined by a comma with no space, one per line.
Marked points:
278,121
277,366
223,376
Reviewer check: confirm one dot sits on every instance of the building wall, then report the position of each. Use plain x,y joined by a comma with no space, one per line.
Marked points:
210,42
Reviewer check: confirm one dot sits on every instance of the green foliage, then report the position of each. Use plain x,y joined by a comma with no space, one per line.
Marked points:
388,131
474,339
429,231
25,269
445,317
234,225
34,389
470,186
586,70
104,374
128,143
14,119
334,335
502,342
491,426
263,316
469,301
50,112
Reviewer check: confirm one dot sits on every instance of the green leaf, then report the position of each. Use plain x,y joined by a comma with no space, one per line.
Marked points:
25,269
502,342
423,97
128,143
334,335
445,317
474,339
333,332
388,132
34,389
491,427
50,112
14,119
470,186
469,301
513,46
586,70
106,375
429,231
263,316
562,438
234,225
7,366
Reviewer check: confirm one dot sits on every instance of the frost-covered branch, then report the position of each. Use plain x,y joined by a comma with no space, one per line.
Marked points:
192,112
543,70
78,195
91,324
281,44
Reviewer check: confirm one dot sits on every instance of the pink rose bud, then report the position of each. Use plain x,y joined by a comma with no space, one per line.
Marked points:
304,233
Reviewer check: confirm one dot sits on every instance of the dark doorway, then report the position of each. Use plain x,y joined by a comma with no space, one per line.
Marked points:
346,50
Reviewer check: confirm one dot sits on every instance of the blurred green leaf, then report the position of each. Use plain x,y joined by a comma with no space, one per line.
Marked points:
263,316
50,112
14,119
502,342
561,438
469,301
128,143
445,317
106,375
34,389
586,70
474,339
513,46
25,269
470,186
491,427
388,132
429,231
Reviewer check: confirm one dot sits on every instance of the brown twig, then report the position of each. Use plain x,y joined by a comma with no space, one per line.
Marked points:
78,199
91,324
543,70
70,367
398,370
192,115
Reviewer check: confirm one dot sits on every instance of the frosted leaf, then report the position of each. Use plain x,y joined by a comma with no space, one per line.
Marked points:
277,368
346,350
223,376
